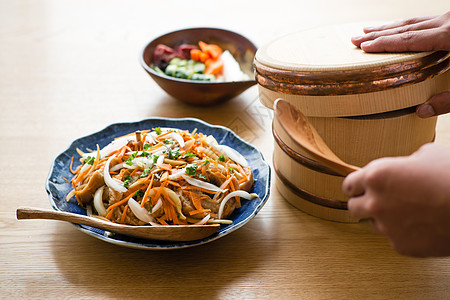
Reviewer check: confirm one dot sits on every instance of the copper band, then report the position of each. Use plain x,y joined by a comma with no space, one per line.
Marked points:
336,204
348,82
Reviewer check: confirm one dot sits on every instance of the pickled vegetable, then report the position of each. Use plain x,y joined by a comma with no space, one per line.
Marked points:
187,69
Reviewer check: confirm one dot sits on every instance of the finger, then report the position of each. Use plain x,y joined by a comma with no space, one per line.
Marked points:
391,31
353,184
398,24
376,226
357,207
423,40
437,105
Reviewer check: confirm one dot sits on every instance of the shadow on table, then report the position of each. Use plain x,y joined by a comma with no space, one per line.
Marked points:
102,269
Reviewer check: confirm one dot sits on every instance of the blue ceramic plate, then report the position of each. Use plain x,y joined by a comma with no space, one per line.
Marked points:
57,186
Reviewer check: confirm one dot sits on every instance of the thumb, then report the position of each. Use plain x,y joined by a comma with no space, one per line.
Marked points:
437,105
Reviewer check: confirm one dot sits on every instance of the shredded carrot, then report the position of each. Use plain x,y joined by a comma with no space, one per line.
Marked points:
174,183
199,211
166,167
196,200
122,152
163,134
147,191
158,193
121,174
159,145
227,182
119,203
241,170
162,221
164,177
132,133
109,215
166,197
220,175
70,167
192,187
81,176
124,214
233,185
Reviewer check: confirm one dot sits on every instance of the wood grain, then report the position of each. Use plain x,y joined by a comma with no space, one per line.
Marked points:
165,233
68,69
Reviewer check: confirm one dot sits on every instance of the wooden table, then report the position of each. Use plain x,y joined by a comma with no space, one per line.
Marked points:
70,68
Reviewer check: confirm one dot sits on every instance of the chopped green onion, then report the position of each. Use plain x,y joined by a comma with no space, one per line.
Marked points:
89,160
127,181
188,154
191,169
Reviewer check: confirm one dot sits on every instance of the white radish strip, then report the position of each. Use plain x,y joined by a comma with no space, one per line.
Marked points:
157,206
232,154
201,184
151,138
177,174
140,212
160,160
89,211
204,220
84,167
98,202
116,167
116,185
211,140
176,137
159,151
143,162
188,144
239,193
116,144
132,167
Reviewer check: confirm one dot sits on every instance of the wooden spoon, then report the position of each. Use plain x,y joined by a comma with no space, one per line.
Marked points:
179,233
304,135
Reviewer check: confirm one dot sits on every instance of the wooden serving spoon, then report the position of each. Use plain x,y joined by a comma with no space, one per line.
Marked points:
178,233
305,136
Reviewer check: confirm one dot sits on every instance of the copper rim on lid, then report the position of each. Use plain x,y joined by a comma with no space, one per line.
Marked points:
323,61
347,82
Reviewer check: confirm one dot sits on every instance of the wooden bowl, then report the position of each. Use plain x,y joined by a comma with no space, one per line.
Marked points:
198,92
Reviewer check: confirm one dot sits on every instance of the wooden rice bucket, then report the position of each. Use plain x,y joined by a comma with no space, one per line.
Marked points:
362,105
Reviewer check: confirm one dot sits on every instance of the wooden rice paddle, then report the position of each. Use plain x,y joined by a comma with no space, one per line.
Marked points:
178,233
304,135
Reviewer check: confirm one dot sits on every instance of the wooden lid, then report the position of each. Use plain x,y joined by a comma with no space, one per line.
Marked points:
323,61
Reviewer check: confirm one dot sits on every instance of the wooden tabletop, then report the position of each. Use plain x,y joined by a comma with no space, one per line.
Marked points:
70,68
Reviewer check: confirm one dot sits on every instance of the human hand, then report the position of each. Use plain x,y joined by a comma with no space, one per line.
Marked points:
407,199
416,34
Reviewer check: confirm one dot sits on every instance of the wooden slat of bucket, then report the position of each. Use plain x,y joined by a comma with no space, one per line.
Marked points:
332,214
359,141
312,181
360,104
